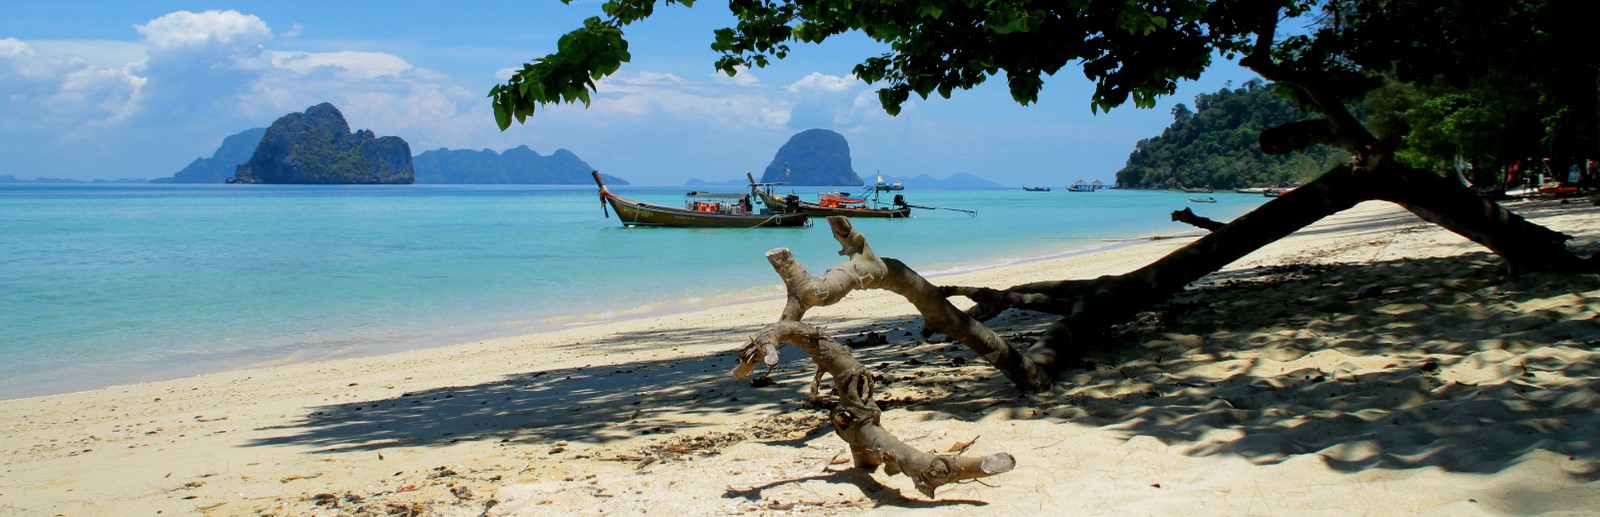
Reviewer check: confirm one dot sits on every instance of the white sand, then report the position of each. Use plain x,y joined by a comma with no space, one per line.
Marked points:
1269,389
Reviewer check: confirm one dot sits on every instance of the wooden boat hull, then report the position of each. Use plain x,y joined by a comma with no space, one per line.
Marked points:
639,213
635,213
777,203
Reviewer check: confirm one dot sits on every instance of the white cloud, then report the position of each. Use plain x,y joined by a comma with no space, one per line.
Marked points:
349,64
822,100
48,89
669,99
818,83
12,47
744,78
185,29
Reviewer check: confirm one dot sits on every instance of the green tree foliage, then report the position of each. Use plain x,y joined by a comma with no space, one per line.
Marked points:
1485,79
1216,145
1132,50
1487,82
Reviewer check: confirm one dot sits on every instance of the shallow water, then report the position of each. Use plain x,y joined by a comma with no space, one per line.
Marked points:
114,284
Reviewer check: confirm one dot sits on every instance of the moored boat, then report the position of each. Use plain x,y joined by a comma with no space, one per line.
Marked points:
701,209
1198,199
828,203
1035,189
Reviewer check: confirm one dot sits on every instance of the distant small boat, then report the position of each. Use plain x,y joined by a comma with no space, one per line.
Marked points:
1036,189
1081,186
1197,199
701,209
1252,190
1200,190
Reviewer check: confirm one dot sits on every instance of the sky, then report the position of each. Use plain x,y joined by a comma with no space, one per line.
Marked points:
107,90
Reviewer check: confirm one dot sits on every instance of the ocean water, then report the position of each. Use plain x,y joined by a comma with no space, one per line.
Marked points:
115,284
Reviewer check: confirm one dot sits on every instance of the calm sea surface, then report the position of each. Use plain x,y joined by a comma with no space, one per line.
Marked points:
116,284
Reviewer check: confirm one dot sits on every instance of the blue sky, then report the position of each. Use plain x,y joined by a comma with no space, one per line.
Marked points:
105,90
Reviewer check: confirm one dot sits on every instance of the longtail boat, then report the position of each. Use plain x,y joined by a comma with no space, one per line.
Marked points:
701,209
828,203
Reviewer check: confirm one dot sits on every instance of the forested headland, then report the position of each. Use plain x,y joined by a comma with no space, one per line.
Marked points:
1215,144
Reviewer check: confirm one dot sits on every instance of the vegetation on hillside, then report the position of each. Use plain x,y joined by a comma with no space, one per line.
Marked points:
317,147
1215,145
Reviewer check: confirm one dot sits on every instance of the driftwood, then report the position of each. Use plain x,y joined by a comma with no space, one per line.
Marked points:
856,417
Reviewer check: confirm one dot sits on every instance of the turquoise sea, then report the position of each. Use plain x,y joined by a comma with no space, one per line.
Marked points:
106,285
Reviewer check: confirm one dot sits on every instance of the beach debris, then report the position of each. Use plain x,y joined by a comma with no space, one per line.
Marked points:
855,416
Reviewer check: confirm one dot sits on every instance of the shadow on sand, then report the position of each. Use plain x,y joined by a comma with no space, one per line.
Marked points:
1432,318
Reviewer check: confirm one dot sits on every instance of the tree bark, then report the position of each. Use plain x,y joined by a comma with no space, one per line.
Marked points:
1187,216
1088,307
856,417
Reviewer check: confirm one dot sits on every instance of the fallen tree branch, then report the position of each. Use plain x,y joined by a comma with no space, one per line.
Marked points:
865,270
856,417
1188,216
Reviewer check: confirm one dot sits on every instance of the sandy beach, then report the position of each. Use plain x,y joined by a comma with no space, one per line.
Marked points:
1369,365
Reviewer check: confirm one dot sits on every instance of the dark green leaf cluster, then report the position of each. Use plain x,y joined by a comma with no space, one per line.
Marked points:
1486,81
582,56
1132,50
1216,145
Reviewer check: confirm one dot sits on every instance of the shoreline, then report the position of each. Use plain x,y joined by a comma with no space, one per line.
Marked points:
642,414
468,334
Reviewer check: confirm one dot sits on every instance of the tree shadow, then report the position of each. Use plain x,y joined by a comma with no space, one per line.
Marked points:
1435,364
880,494
594,404
1429,318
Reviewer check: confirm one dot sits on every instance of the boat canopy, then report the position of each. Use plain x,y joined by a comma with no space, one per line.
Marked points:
714,195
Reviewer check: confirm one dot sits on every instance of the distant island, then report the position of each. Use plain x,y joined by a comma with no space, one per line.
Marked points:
957,180
317,147
518,165
236,149
12,178
813,157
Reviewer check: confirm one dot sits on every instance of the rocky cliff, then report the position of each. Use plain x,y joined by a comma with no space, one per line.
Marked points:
317,147
813,157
